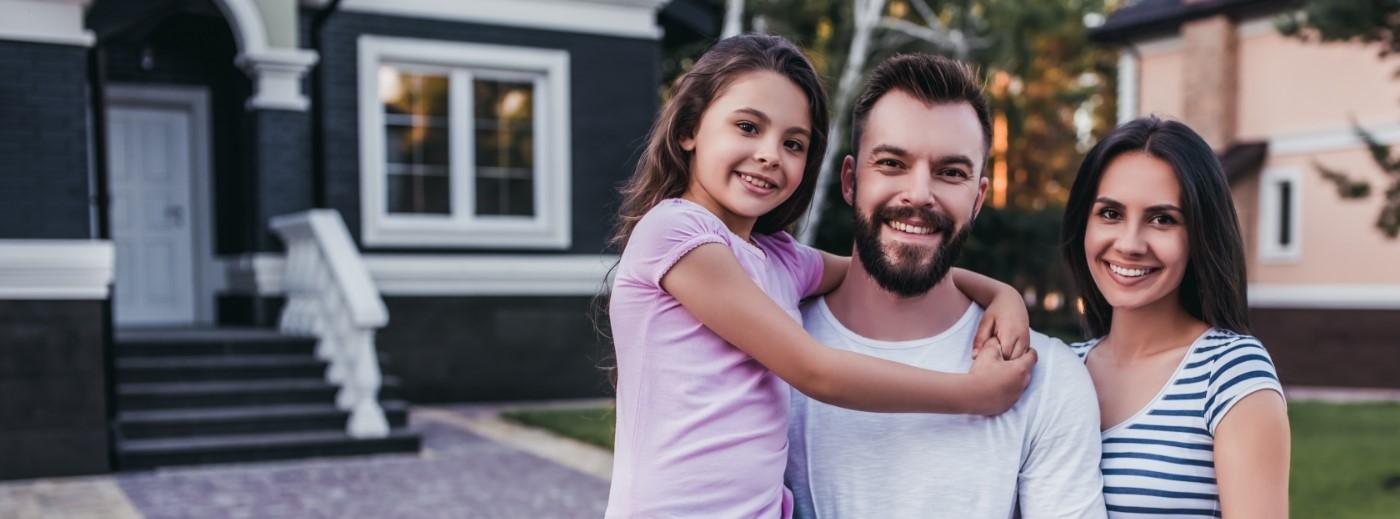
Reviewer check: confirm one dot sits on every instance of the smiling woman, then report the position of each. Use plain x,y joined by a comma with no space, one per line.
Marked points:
1191,409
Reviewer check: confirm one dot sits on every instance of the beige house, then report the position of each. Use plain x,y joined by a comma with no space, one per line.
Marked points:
1324,282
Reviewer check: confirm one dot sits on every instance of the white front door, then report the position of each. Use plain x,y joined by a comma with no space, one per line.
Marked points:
149,171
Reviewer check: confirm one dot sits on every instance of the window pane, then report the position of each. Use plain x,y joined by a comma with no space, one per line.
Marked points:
416,137
505,161
418,193
415,145
1285,213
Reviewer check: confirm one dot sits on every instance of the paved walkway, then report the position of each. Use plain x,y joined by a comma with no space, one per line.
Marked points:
471,465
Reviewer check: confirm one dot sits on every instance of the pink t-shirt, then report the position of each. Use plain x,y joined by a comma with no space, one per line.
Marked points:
701,425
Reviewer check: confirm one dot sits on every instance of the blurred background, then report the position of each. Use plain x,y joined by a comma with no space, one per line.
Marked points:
241,237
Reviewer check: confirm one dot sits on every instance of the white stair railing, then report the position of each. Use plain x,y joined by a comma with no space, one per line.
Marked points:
330,296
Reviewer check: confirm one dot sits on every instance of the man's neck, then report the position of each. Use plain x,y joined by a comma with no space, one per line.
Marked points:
863,307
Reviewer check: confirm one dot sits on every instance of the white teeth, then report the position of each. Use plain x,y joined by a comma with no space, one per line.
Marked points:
1127,272
912,229
756,181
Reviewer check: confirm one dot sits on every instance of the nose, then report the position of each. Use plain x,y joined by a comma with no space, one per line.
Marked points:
767,155
1129,242
918,189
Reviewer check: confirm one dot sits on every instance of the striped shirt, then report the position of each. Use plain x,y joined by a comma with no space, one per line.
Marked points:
1161,461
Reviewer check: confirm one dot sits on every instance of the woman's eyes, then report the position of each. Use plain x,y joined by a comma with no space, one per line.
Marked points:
1109,213
747,127
1162,219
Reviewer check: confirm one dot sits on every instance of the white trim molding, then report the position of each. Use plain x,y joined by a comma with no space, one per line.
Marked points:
625,18
45,21
446,274
490,275
1271,182
1325,296
550,227
56,269
1128,78
1299,143
1159,45
249,31
277,75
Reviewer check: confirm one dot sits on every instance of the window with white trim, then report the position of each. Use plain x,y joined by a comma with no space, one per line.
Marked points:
1280,215
463,144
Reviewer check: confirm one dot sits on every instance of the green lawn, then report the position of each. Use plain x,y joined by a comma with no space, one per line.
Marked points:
1346,458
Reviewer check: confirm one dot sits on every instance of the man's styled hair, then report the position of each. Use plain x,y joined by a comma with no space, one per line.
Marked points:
929,78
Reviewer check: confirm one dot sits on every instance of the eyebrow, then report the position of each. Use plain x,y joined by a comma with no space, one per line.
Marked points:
942,161
763,118
1159,207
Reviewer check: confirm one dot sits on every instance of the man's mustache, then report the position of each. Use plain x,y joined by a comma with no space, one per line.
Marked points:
939,222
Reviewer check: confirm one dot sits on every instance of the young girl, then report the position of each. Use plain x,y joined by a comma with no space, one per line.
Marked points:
1192,412
704,306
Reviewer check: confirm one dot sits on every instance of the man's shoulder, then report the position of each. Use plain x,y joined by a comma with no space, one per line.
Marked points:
1057,363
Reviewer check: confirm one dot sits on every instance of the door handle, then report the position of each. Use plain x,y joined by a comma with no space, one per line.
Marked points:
175,215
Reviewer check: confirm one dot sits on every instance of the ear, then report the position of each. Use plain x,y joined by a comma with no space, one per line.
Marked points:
982,184
848,180
688,143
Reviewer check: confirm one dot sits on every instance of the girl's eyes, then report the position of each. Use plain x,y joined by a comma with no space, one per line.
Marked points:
747,127
795,145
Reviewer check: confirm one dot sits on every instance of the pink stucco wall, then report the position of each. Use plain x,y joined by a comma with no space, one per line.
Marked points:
1298,92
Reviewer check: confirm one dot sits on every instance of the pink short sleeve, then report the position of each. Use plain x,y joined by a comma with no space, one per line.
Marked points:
802,262
666,234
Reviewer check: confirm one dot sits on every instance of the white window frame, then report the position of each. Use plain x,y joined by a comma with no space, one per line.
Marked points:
550,226
1270,250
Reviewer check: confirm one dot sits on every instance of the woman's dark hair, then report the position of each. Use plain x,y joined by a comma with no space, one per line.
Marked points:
1213,288
664,169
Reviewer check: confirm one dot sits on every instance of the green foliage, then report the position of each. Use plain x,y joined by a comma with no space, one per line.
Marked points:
1022,247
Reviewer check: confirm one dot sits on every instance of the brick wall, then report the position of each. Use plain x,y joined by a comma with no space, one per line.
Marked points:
44,188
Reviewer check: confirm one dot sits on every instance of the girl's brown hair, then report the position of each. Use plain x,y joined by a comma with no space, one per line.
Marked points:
664,169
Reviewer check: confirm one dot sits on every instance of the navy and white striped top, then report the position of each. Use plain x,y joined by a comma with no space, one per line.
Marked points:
1161,461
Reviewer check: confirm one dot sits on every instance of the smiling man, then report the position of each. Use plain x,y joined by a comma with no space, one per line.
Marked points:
921,134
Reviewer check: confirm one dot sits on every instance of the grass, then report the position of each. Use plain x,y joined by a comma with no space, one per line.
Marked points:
1346,457
590,425
1346,460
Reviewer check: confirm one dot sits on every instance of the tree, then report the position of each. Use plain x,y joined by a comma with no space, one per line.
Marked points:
1370,22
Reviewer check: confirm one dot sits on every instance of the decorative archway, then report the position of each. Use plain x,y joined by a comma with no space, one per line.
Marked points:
276,71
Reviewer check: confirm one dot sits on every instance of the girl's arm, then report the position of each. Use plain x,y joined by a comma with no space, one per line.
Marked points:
833,271
711,285
1005,317
1251,457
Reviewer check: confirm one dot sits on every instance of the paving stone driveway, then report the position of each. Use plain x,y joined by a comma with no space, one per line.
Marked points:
457,474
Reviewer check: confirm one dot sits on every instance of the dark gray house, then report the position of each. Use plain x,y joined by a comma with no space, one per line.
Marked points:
393,200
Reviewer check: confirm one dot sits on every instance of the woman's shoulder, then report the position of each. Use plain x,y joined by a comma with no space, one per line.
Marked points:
1081,349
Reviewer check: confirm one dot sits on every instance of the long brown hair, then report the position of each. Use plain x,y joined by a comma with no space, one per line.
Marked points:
1213,289
664,168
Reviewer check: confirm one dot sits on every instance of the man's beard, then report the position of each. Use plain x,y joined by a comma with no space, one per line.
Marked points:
916,272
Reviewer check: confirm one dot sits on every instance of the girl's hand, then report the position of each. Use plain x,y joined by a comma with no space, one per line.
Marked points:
999,382
1006,322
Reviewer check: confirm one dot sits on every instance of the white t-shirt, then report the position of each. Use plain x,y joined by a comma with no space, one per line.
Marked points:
1043,452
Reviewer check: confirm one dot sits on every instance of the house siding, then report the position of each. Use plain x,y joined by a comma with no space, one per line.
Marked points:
44,188
613,100
53,378
458,349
